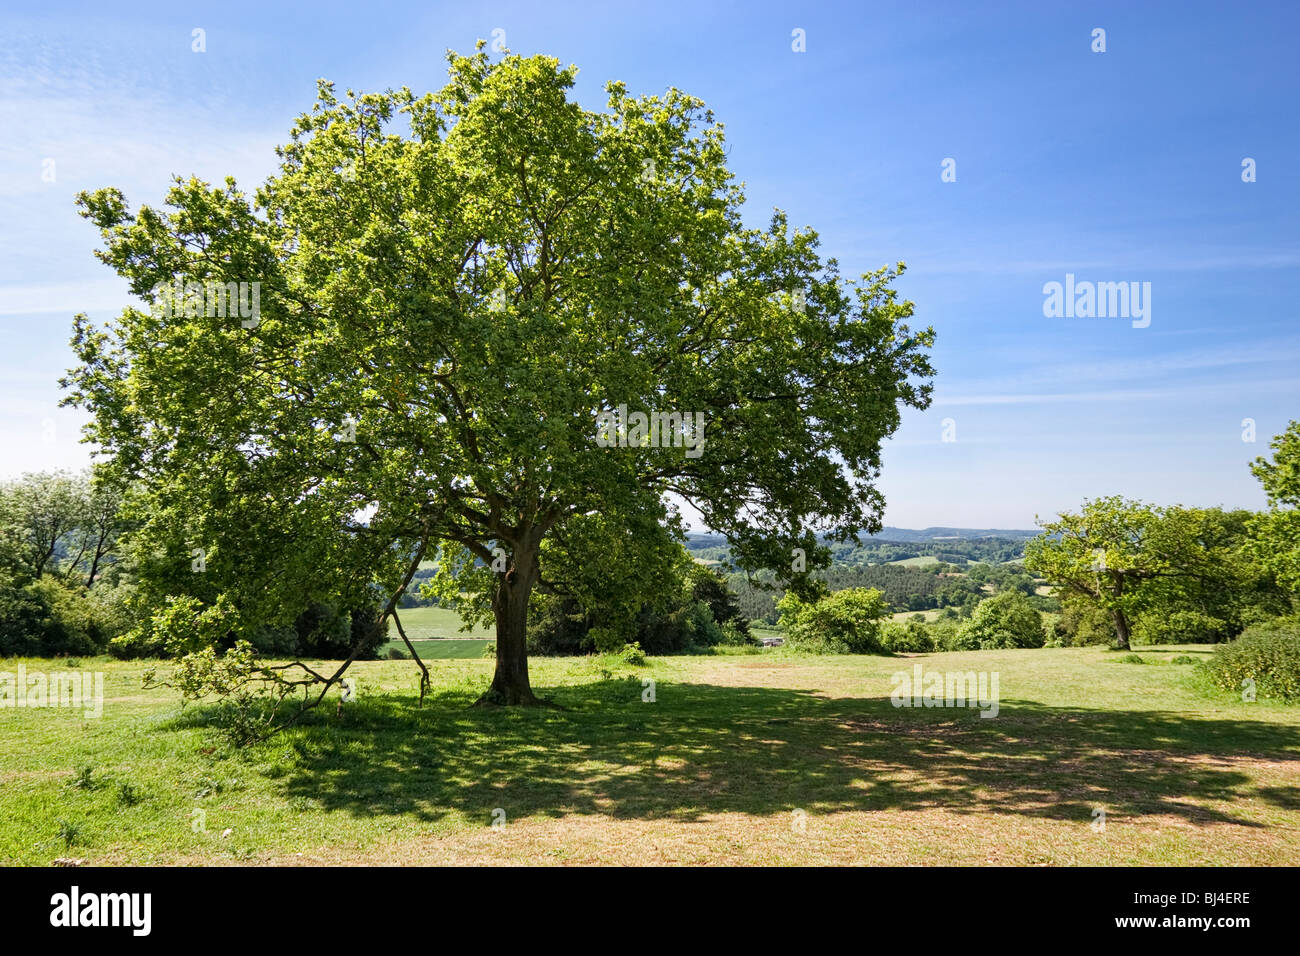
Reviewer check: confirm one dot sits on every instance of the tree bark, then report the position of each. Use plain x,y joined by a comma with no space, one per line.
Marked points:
510,684
1121,629
1121,619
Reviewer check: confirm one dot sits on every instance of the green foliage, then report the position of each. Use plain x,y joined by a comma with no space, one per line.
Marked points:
1267,654
846,622
905,588
1276,533
712,590
60,524
1005,620
632,654
51,616
460,284
249,693
907,637
331,633
693,610
1182,626
85,779
69,833
1082,623
182,625
882,549
606,640
61,590
947,634
1134,560
733,636
557,624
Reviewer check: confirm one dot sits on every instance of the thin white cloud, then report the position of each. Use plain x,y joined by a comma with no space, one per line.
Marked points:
1274,387
68,298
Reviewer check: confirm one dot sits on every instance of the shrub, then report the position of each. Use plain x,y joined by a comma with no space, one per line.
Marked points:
323,630
49,617
961,638
632,654
910,637
607,640
944,633
846,622
1268,654
136,643
1005,620
734,636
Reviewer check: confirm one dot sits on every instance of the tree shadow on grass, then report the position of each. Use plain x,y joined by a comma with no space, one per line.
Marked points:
704,749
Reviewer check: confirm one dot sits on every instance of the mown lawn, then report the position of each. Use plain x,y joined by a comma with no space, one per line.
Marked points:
767,757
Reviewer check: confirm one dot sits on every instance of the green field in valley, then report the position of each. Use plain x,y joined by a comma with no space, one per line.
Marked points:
436,634
733,748
922,561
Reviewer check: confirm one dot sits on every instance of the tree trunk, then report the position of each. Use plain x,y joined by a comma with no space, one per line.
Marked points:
1121,629
94,565
510,684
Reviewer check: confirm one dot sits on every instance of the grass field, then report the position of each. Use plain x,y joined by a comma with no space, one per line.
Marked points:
930,615
759,758
436,634
922,561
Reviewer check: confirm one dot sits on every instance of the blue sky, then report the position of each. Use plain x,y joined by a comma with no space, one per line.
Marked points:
1117,166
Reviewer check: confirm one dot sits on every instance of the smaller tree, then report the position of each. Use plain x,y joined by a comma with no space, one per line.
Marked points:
846,622
1276,533
1142,564
1107,553
711,588
1003,621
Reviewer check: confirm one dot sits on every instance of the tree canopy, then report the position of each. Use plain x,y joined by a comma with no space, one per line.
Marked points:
1131,558
443,298
1277,532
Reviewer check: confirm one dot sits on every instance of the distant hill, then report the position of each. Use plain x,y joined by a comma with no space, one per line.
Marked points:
951,534
704,540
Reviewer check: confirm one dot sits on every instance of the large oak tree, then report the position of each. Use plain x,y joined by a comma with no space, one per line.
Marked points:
453,288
